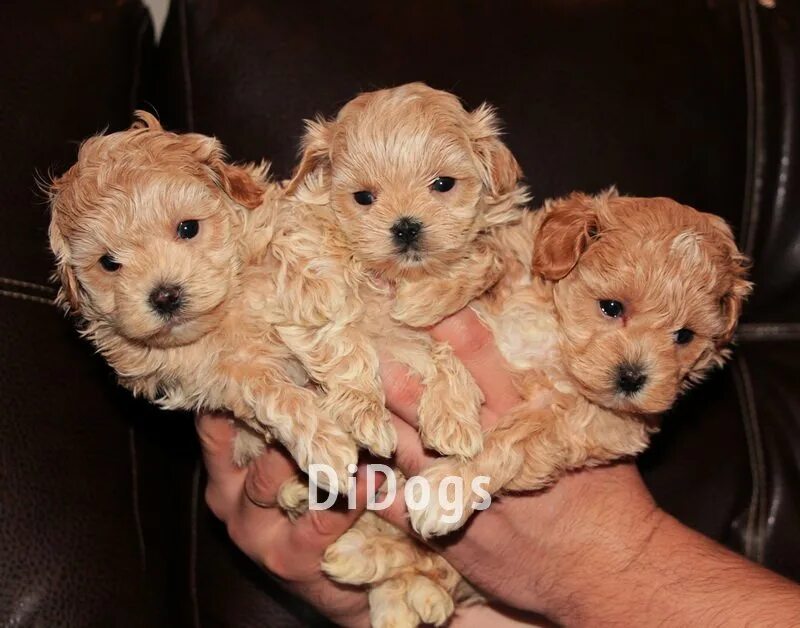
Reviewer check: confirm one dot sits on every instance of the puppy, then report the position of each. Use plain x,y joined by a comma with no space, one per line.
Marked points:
183,274
417,186
416,183
611,308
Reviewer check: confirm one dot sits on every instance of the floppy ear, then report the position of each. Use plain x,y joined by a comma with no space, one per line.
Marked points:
145,120
238,182
737,266
500,171
315,151
566,229
69,289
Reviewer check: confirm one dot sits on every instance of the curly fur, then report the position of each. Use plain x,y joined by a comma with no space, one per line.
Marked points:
671,267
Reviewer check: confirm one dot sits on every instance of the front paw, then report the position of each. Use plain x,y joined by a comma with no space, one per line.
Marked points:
366,418
335,452
450,435
449,410
293,497
431,602
449,504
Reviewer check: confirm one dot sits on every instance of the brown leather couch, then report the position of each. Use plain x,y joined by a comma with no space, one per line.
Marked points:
102,521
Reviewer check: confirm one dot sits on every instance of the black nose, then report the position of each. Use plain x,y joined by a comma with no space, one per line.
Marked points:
405,232
166,299
630,378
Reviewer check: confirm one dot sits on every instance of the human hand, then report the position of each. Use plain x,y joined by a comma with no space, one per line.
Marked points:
521,548
245,500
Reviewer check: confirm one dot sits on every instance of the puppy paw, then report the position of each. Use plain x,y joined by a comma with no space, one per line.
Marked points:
388,607
431,602
449,435
366,418
378,436
335,451
449,504
247,445
359,558
293,497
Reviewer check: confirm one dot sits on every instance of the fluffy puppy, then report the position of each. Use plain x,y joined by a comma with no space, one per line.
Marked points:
169,255
416,185
610,310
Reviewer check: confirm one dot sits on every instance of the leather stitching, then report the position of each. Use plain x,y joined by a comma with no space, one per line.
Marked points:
754,332
754,537
27,284
25,297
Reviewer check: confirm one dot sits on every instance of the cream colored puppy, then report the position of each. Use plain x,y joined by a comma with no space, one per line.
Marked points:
183,275
417,186
611,308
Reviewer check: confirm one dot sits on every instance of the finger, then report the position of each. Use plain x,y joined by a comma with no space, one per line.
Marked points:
225,479
410,454
402,390
266,474
474,345
317,529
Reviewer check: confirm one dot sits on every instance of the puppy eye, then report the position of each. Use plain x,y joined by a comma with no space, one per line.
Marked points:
443,184
611,308
364,197
108,263
187,229
683,336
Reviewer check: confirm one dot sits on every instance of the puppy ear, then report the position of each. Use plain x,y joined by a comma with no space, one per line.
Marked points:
239,183
736,265
566,229
499,169
315,151
69,289
145,120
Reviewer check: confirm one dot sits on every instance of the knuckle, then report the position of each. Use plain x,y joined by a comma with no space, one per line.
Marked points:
466,334
404,389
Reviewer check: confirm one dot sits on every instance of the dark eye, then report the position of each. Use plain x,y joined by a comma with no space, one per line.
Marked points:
684,336
187,229
364,197
612,309
443,184
108,263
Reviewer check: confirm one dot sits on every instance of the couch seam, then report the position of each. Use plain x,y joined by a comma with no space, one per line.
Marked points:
187,78
137,513
754,332
27,284
756,512
26,297
195,504
754,168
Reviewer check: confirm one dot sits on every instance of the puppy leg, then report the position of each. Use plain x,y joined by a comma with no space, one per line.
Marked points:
450,404
529,450
345,363
248,444
294,416
457,487
424,303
